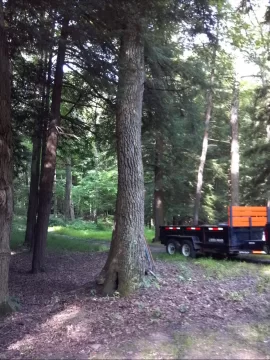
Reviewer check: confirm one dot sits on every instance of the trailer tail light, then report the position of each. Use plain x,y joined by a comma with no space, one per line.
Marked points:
215,228
193,228
172,228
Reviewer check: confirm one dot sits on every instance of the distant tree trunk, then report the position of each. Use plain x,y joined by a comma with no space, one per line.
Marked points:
125,265
26,176
46,185
36,155
54,194
69,210
208,115
46,113
34,184
6,201
158,190
268,140
235,146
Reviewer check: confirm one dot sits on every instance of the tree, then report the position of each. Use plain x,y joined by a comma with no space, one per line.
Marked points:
125,269
35,163
69,209
158,185
46,185
208,114
6,195
235,146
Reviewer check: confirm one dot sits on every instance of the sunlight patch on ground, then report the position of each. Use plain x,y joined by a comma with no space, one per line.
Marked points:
54,228
266,272
59,319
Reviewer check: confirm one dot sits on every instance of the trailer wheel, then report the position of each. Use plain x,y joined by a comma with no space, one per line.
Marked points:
187,249
172,247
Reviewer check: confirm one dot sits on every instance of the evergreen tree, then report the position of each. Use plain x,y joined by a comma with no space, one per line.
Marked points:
6,195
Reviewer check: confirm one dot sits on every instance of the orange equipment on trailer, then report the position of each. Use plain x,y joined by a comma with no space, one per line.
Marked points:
248,216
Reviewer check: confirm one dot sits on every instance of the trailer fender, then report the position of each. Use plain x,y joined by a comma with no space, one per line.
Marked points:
196,242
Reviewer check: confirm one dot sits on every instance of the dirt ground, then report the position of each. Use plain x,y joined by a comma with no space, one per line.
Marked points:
190,312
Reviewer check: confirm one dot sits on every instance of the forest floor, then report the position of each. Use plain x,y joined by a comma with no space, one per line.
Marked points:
198,309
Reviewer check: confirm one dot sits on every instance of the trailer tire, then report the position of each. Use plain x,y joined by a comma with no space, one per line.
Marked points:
187,249
172,247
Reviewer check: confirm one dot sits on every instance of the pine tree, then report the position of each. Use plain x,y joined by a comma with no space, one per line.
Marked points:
6,195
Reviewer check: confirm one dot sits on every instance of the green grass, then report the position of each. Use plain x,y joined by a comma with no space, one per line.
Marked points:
175,258
92,233
58,242
221,269
71,237
105,235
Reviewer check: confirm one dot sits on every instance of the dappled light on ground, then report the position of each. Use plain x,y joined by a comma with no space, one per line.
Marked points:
191,312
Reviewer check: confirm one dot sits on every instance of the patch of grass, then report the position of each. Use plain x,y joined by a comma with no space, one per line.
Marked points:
236,296
185,273
149,234
263,284
225,268
57,242
253,333
76,229
105,235
91,233
183,342
171,258
157,349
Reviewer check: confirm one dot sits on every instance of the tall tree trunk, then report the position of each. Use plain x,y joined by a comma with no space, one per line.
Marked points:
6,202
125,265
235,146
34,183
46,185
158,190
35,162
208,115
69,211
46,113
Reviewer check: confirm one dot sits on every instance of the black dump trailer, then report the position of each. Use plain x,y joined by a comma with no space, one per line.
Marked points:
247,232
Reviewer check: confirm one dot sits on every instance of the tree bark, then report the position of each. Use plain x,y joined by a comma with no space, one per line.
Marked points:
208,115
54,194
125,265
6,195
69,210
235,146
46,113
268,140
35,162
46,185
158,190
34,184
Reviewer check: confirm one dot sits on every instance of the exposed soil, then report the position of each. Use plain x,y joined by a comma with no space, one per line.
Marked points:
186,314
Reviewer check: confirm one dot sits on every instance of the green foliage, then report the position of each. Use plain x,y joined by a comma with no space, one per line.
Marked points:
177,78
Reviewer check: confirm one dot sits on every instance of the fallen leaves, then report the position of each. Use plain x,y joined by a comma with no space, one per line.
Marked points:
61,317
